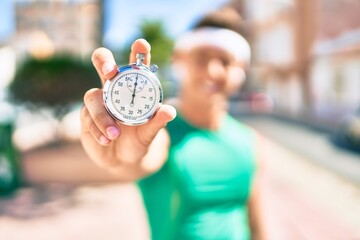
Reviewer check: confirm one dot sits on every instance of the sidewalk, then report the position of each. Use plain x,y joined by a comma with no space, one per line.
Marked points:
61,212
311,189
69,198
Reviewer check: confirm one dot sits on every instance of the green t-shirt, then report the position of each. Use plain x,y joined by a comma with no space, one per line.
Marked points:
202,190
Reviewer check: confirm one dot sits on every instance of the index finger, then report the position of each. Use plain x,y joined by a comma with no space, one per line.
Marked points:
140,46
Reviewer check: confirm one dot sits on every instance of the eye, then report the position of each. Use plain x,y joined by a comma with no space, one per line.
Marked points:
225,62
200,60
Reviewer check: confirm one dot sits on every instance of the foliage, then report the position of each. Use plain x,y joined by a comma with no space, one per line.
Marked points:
161,43
161,49
55,82
9,165
62,80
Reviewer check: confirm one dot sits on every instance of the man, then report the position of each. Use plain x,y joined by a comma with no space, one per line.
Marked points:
197,175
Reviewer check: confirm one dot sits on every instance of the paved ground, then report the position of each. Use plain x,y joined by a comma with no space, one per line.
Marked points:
302,199
68,198
312,188
61,212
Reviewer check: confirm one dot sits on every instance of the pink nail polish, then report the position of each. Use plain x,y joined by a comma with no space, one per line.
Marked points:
112,132
104,140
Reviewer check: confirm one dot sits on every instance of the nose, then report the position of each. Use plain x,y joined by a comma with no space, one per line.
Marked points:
216,70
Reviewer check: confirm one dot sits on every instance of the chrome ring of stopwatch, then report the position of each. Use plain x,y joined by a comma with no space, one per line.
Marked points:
135,94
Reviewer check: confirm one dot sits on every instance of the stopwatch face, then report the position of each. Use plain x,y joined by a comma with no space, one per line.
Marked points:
133,96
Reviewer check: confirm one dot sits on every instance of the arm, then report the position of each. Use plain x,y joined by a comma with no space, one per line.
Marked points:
126,151
256,214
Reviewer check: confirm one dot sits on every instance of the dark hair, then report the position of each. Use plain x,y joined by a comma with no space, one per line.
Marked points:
226,17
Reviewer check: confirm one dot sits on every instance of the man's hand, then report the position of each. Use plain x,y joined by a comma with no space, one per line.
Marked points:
128,151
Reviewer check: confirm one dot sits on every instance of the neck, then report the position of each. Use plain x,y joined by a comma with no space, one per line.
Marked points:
207,115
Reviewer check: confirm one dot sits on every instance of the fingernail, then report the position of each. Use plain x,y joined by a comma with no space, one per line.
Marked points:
112,132
104,140
107,68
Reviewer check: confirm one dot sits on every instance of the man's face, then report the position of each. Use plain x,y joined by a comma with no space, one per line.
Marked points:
210,72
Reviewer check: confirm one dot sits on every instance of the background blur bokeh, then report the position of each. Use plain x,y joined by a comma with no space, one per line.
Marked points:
302,94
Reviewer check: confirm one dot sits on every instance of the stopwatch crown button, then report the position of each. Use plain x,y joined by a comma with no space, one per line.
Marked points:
154,68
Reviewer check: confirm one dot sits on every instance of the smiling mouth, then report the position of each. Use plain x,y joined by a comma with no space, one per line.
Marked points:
211,88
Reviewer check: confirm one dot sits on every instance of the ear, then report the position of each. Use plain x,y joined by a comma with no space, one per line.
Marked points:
178,70
241,75
237,78
178,60
177,56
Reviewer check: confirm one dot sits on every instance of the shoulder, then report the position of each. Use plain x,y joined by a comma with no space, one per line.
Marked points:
247,136
236,126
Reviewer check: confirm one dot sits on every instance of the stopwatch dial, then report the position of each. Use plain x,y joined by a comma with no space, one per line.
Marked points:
135,82
134,96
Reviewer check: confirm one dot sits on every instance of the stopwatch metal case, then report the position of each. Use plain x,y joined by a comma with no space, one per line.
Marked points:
143,69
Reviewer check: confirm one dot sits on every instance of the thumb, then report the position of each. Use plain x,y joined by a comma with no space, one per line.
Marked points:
148,131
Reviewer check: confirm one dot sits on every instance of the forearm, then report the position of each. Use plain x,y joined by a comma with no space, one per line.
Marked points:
255,215
256,212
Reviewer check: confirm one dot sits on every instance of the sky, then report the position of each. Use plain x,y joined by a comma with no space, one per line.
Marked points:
7,25
122,17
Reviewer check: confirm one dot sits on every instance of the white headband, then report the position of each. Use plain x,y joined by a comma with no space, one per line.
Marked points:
225,39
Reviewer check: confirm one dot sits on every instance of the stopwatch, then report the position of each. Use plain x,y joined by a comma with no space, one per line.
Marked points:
135,94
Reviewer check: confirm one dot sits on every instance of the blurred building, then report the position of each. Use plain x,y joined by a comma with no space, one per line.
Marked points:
335,69
45,27
282,34
307,55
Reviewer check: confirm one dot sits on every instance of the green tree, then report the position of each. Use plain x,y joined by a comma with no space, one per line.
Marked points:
161,43
161,49
55,82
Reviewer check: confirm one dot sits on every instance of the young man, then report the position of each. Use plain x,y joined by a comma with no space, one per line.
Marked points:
196,170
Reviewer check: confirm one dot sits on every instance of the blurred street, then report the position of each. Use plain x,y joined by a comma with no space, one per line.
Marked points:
310,192
301,93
